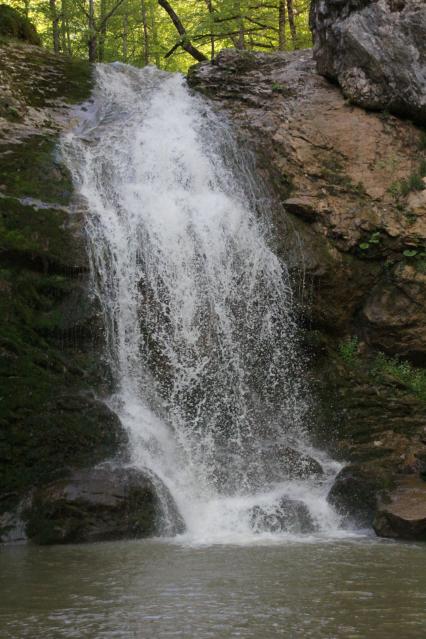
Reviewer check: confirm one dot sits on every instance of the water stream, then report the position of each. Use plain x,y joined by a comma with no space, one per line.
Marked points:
198,312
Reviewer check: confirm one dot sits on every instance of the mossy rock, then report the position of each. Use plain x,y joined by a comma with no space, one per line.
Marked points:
34,170
51,367
14,25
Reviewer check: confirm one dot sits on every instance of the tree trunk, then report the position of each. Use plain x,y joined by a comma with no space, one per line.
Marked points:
102,33
184,42
212,42
292,23
65,28
125,35
281,26
240,43
55,26
93,36
145,33
154,34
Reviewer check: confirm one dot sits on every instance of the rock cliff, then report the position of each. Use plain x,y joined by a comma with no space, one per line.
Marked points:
350,215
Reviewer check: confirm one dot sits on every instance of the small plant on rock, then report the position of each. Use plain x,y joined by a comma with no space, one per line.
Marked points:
414,379
348,350
415,253
371,241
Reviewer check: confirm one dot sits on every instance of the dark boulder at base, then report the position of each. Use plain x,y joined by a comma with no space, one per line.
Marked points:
375,50
405,516
102,504
355,494
289,515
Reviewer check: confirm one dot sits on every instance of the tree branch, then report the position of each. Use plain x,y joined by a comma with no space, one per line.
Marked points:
184,42
109,14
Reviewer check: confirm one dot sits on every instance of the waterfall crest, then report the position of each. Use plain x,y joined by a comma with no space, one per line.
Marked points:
197,311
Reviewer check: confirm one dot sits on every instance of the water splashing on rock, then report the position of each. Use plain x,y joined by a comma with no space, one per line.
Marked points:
197,312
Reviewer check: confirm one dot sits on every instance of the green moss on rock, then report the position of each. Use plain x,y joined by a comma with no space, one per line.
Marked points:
33,169
51,373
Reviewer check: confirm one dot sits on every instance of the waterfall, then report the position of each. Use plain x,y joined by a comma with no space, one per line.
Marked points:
197,309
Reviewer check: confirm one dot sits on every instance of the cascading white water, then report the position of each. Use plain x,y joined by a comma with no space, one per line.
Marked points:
197,311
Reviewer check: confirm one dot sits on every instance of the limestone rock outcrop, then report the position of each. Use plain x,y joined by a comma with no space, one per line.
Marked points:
375,50
343,176
289,515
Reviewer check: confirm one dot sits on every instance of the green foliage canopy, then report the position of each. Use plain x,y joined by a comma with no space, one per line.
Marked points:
141,31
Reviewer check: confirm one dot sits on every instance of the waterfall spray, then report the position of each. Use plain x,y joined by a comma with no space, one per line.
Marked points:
198,311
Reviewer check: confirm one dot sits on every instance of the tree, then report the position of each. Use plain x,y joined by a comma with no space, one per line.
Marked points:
55,17
168,33
97,28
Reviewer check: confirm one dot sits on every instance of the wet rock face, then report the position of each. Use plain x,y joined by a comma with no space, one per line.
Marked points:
394,312
51,377
347,225
375,50
283,463
101,504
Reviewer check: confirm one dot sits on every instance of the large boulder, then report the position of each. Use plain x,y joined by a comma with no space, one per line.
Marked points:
355,493
405,516
394,314
272,464
100,504
375,50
